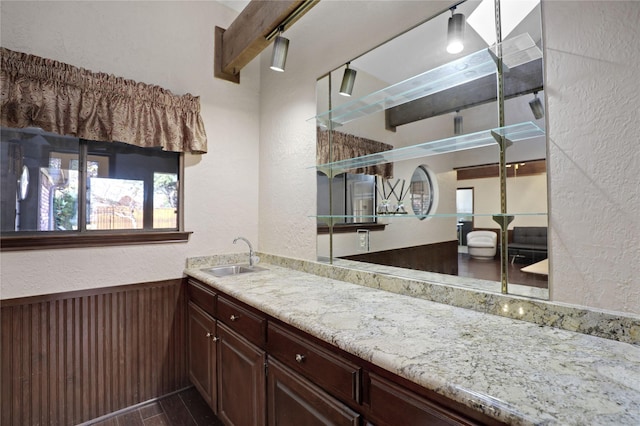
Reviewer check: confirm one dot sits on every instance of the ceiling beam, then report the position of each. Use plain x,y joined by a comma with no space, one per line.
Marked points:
251,32
518,81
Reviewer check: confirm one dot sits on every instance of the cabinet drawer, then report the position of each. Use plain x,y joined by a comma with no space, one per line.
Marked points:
334,374
249,325
391,404
202,296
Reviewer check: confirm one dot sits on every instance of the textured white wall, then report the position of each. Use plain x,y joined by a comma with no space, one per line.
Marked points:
592,101
591,51
593,94
288,100
164,43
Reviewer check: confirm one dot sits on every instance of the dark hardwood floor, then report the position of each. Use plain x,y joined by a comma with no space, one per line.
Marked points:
490,270
186,408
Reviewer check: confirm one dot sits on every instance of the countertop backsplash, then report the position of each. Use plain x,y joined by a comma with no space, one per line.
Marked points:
442,289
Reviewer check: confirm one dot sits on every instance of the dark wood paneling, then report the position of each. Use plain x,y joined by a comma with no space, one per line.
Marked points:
438,257
529,168
70,358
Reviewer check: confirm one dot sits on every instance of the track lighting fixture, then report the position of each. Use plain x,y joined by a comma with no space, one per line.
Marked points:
348,78
455,32
457,124
536,106
280,49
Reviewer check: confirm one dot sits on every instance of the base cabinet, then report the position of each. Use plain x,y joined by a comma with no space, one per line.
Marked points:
295,401
202,353
254,370
241,380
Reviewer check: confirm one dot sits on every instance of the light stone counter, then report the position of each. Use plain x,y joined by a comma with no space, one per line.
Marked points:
516,371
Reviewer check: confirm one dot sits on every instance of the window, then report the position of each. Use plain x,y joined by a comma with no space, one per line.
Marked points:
56,185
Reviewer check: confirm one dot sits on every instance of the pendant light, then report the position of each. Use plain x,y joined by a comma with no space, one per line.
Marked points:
455,32
280,49
348,78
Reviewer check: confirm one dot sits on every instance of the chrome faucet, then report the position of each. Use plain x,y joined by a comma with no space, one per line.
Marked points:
252,258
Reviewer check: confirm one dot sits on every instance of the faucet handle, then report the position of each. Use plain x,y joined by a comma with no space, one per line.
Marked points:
255,260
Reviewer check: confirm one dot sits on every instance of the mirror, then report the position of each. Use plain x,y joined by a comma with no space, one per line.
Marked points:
390,106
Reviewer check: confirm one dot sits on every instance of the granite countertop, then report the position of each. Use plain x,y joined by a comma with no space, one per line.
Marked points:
515,371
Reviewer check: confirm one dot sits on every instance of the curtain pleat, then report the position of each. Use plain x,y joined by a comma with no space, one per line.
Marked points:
61,98
346,146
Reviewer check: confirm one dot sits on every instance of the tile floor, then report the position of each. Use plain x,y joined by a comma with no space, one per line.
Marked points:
186,408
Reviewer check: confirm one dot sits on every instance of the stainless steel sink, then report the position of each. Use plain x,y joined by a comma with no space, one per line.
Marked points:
225,270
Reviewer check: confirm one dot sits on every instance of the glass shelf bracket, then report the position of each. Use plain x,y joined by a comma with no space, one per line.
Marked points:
516,51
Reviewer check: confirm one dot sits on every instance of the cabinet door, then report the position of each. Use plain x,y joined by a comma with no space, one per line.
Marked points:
241,380
295,401
202,353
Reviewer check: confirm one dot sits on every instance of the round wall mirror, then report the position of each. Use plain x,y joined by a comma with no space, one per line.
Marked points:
421,192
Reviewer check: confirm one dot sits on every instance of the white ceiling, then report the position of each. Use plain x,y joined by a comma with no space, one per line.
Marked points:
359,22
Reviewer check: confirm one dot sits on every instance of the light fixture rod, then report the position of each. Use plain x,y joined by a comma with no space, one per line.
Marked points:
300,10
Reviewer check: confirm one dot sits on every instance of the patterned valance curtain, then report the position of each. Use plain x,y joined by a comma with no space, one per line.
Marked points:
347,146
61,98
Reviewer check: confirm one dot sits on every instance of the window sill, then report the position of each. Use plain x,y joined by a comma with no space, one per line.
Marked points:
350,227
89,239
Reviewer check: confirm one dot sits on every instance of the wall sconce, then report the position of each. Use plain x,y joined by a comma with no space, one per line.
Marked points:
279,54
348,78
536,106
455,32
457,124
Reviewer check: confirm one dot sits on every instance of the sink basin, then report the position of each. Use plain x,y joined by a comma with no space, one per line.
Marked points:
223,271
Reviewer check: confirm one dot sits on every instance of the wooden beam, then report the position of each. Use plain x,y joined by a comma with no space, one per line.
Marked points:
247,35
526,78
526,168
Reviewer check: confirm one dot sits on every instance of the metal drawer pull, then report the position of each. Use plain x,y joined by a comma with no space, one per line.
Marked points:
234,318
299,358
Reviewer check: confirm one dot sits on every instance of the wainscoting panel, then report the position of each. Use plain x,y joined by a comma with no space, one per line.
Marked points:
68,358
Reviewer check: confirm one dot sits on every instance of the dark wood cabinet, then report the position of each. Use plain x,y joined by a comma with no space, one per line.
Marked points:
256,370
202,353
391,404
241,380
335,374
294,401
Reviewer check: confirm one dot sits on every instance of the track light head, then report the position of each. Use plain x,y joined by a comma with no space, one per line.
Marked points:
536,106
279,54
348,79
455,32
457,124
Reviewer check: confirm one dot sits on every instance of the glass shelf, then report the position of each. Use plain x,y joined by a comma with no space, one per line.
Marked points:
328,218
516,51
513,133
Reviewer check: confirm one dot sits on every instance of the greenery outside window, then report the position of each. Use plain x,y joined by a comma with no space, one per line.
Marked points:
62,190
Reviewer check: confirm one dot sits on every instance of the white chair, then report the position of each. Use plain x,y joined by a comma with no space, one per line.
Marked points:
482,244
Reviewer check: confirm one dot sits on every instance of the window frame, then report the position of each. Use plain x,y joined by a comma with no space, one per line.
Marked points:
39,240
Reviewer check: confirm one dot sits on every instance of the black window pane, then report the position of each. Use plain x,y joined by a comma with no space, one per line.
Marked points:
39,183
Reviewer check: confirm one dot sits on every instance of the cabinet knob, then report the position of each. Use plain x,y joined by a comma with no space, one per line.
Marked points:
234,317
299,358
215,339
209,334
